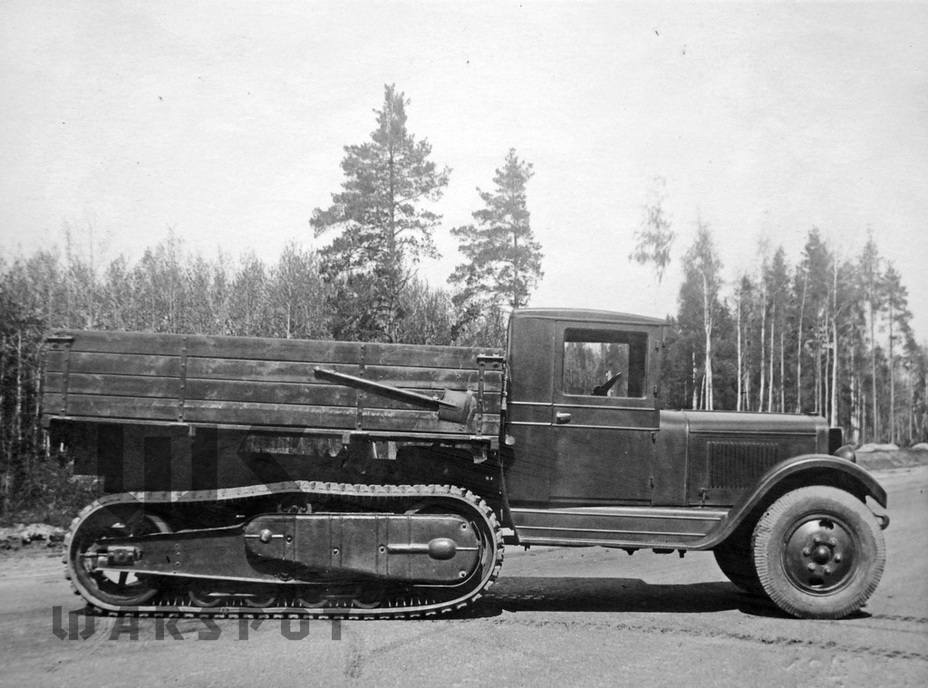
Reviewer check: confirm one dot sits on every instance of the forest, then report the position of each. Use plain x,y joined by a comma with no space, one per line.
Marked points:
820,336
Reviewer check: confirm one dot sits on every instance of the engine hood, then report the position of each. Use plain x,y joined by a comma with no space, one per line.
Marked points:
732,423
727,452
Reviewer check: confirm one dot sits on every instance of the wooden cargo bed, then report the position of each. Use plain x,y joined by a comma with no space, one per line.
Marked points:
257,382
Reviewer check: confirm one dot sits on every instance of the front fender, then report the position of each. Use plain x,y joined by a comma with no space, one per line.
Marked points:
799,471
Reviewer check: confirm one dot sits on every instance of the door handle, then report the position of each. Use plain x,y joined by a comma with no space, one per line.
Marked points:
561,418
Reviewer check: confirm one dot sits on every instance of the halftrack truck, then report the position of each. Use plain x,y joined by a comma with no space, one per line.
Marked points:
374,480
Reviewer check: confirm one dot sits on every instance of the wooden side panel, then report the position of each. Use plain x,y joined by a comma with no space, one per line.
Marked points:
261,382
136,408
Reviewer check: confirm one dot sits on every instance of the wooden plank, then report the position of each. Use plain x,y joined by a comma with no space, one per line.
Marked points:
299,394
272,393
90,341
417,377
302,372
264,348
408,421
125,364
323,417
414,355
94,406
303,418
258,371
270,414
288,350
124,385
304,350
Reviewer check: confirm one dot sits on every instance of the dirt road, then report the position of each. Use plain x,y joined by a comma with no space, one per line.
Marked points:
580,617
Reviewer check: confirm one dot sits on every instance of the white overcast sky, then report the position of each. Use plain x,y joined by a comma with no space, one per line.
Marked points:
226,121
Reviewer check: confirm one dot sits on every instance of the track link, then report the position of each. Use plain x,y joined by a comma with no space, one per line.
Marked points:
416,602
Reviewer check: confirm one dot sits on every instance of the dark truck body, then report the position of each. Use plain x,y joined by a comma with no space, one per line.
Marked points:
563,438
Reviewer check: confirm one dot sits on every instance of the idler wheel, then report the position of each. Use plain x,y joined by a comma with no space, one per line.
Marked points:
88,547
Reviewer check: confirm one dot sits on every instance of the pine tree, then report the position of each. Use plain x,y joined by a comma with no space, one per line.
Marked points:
503,259
382,230
870,274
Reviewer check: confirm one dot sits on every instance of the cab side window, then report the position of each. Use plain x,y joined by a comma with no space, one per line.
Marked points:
608,363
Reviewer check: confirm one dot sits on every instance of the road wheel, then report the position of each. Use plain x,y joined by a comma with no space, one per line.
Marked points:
736,560
205,598
819,553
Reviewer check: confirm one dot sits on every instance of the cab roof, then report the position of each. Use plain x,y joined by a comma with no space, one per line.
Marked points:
587,315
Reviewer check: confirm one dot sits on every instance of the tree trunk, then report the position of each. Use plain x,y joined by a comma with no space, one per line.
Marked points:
16,443
802,308
892,379
773,327
708,327
515,270
739,404
763,354
695,402
5,452
834,374
834,340
826,378
874,420
37,409
818,379
855,400
782,373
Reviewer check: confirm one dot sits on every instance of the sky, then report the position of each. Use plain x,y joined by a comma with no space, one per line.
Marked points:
225,122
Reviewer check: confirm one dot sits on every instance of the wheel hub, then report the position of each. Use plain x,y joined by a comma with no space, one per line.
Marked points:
820,555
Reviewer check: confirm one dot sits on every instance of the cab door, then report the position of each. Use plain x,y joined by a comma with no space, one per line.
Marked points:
605,415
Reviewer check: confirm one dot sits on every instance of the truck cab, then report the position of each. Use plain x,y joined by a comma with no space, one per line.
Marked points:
595,460
583,412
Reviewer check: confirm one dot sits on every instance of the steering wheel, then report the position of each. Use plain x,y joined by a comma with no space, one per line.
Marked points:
603,389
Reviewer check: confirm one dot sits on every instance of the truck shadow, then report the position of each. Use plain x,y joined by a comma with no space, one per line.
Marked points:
552,594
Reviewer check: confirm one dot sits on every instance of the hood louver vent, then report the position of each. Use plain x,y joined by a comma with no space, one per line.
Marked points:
739,464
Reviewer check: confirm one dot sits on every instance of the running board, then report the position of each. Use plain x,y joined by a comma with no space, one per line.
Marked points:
617,526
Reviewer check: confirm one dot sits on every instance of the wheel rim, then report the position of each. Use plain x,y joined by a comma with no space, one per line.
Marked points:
368,596
313,598
261,601
822,555
122,588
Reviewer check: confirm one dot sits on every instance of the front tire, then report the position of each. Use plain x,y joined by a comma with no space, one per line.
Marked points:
819,553
736,560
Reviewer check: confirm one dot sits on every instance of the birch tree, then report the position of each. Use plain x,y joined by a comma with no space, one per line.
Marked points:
702,267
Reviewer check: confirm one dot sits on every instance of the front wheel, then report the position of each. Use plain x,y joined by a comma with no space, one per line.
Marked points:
819,553
736,560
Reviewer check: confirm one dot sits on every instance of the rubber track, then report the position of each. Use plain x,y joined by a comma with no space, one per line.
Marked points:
415,607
